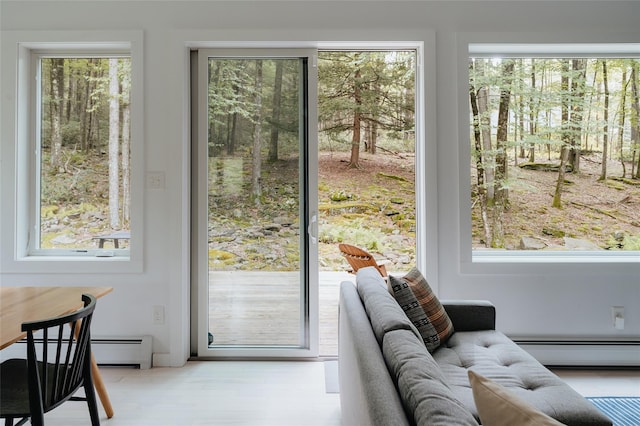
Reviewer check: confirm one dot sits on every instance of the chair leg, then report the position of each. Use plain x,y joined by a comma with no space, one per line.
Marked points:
90,395
37,419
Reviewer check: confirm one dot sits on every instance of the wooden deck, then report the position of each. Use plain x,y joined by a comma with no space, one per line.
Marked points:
264,308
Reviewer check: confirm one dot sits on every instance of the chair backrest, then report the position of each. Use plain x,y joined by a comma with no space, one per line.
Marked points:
59,363
359,258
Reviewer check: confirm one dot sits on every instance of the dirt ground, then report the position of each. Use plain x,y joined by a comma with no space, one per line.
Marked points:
592,210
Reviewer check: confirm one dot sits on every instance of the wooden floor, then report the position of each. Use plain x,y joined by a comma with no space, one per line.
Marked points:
264,308
255,393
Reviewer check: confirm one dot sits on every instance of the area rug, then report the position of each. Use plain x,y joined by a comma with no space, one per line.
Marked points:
624,411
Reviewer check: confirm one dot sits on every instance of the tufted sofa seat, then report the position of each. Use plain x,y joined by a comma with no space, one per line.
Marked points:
388,377
494,355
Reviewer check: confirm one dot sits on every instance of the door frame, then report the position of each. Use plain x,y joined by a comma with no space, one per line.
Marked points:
199,217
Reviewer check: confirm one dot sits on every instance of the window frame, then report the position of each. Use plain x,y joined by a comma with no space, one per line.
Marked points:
512,45
20,222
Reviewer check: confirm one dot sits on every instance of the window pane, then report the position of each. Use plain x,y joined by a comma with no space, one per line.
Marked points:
555,161
84,137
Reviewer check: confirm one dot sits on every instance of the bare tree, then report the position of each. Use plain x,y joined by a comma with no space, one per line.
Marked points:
126,149
605,130
501,198
355,134
256,165
56,106
482,193
635,121
114,133
275,116
578,82
566,138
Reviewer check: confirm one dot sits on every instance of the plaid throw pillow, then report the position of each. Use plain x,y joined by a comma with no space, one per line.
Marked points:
415,297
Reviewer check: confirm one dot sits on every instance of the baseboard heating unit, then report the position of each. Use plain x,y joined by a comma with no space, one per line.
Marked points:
135,351
572,352
131,351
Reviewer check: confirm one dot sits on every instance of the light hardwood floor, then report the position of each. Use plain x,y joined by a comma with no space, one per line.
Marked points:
262,393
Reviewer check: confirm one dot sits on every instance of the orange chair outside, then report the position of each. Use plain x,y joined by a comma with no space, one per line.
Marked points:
359,258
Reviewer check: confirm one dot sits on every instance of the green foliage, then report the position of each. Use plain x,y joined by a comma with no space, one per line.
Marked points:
341,195
631,242
355,233
628,243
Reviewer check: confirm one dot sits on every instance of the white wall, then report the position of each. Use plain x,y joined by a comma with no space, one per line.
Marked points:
541,300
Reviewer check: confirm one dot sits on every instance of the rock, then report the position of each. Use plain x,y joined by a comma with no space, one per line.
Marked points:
63,239
283,221
532,243
618,235
579,244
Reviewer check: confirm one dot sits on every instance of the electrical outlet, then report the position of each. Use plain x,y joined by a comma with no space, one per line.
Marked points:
158,315
617,314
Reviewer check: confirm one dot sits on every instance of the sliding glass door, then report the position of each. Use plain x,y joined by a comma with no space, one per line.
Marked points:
255,201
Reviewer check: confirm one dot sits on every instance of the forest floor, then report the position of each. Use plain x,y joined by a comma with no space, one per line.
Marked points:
600,212
596,212
373,207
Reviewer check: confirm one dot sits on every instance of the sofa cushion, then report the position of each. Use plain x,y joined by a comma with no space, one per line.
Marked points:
421,385
415,297
382,309
495,356
499,407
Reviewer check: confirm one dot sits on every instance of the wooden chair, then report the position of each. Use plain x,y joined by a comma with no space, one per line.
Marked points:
54,370
359,258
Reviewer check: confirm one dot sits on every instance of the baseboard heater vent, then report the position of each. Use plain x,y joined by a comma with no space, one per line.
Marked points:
132,351
123,351
583,352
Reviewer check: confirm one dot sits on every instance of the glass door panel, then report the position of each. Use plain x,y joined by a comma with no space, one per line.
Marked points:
256,296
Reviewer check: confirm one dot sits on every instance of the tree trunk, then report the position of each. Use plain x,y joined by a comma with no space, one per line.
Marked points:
485,129
275,118
578,81
114,130
635,121
605,131
57,90
501,194
621,119
126,150
566,138
256,164
355,136
533,111
477,137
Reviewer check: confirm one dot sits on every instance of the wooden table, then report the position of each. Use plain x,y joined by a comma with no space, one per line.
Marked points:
21,304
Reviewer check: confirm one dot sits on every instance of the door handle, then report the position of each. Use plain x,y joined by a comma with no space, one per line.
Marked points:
313,229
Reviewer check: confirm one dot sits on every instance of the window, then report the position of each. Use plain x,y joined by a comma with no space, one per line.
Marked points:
76,136
83,170
555,150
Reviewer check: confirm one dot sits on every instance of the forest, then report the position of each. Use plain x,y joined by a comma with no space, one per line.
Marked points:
554,143
549,136
84,141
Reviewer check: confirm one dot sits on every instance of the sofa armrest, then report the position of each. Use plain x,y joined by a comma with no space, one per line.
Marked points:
471,315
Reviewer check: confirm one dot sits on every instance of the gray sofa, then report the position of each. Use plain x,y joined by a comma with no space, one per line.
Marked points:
387,376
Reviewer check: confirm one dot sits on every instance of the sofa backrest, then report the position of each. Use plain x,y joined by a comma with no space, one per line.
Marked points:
367,393
416,376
